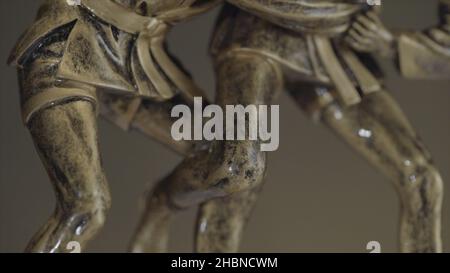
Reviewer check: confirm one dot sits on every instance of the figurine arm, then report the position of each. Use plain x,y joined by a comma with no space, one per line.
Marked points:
424,54
368,34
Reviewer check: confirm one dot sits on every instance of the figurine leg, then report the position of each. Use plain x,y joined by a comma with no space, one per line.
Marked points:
221,222
148,117
378,130
65,137
152,119
227,168
224,217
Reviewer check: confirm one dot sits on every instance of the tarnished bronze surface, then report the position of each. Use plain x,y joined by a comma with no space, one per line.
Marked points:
114,46
419,55
316,69
79,60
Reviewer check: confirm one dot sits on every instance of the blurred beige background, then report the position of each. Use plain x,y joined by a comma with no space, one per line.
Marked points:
320,196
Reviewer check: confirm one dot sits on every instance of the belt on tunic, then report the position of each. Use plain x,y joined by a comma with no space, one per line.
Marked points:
334,67
149,45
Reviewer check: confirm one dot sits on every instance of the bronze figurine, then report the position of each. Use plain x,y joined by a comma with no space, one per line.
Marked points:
86,57
81,59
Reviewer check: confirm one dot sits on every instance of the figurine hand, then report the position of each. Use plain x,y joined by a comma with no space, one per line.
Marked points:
368,34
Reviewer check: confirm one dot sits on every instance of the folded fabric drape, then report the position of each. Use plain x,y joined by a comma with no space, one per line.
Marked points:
149,46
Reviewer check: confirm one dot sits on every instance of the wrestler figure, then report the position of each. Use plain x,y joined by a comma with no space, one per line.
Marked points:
85,57
261,48
64,115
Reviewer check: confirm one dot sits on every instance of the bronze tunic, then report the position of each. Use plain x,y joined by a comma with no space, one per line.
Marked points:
304,37
113,45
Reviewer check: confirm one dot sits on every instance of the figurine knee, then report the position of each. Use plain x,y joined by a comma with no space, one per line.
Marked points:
240,166
421,184
88,203
87,214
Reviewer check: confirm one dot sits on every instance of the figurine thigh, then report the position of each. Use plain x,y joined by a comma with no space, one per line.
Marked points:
154,119
228,167
65,136
378,129
149,117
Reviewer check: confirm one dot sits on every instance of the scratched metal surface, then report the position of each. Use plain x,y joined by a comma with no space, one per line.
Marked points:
319,197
